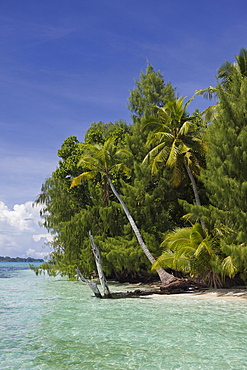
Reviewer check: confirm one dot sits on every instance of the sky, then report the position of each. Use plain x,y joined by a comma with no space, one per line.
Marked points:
67,63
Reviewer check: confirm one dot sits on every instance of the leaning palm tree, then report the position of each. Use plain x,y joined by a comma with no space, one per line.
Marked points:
105,159
177,143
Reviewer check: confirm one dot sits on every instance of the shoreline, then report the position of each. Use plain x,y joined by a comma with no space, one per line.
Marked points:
227,293
234,293
210,293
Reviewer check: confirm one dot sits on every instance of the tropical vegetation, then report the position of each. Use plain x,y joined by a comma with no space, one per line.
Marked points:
164,193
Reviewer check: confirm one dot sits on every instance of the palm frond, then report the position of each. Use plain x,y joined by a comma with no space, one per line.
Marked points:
210,114
176,238
228,267
185,128
83,177
88,162
156,157
172,155
204,246
188,102
156,138
164,115
121,167
208,93
165,260
177,175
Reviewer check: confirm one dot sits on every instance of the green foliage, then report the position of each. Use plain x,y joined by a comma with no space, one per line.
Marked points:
150,92
226,76
70,212
173,142
99,132
193,250
175,139
227,71
226,177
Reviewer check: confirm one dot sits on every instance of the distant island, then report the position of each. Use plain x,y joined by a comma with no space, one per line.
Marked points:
19,259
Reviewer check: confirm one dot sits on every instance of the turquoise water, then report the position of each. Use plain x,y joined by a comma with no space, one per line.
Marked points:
51,323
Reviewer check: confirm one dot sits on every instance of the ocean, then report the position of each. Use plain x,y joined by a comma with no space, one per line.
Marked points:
52,323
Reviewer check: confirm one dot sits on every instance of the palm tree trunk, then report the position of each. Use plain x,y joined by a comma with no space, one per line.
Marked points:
165,277
194,187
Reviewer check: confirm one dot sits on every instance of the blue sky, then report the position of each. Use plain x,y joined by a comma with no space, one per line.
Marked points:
67,63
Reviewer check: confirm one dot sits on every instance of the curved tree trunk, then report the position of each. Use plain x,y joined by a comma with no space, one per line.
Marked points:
165,277
194,187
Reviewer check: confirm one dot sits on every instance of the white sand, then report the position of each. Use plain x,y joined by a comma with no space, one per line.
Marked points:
226,294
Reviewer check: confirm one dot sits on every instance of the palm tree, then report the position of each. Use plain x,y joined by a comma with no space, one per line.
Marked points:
104,160
177,143
194,251
226,73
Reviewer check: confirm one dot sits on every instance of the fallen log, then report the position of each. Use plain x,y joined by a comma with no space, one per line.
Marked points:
181,286
176,287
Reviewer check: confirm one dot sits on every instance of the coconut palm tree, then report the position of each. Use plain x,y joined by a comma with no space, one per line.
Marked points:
177,143
104,159
194,251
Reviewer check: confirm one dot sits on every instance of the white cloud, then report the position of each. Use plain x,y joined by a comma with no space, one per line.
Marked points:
23,218
38,237
20,232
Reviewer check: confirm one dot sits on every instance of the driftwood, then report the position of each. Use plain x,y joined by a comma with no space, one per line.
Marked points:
102,279
181,286
92,285
174,287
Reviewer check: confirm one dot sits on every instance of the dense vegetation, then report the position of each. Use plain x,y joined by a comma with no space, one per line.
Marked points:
165,163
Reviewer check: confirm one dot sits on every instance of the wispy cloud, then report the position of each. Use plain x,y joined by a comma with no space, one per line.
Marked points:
30,33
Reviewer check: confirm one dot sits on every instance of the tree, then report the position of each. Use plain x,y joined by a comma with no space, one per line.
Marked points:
64,210
176,143
225,76
104,160
99,132
225,177
194,251
150,92
227,70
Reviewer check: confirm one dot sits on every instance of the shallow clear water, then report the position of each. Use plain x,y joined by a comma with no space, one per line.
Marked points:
51,323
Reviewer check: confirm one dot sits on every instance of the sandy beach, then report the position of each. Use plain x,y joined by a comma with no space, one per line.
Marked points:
234,293
228,294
